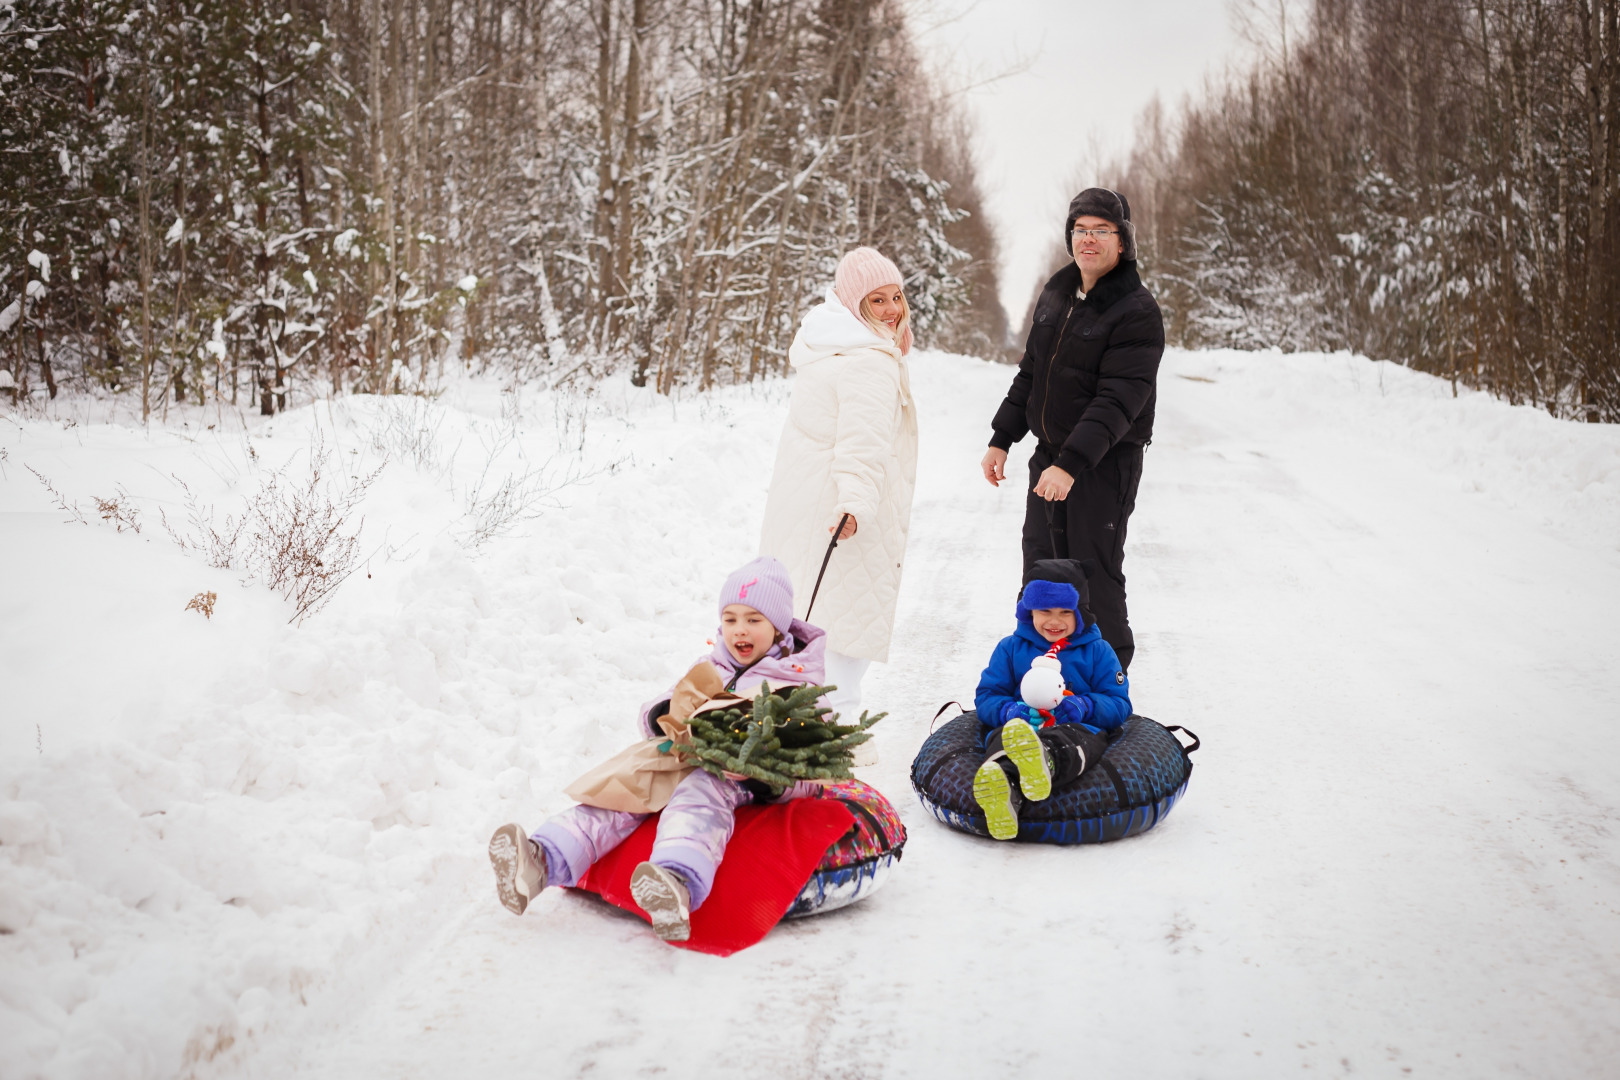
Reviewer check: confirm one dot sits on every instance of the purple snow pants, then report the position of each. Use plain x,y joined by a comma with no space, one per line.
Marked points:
692,834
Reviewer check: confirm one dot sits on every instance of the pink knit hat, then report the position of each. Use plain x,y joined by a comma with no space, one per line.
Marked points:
859,273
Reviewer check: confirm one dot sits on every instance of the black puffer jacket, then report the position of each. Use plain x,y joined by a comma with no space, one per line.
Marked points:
1087,379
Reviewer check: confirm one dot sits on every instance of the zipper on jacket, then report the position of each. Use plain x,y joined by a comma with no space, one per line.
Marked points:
1051,361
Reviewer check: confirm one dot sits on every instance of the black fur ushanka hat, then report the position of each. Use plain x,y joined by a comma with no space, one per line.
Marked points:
1107,204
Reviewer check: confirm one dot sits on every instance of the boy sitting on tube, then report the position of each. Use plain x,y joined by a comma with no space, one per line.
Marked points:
1080,692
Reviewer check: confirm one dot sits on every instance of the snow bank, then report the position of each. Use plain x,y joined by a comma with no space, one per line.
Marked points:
214,830
209,822
1565,475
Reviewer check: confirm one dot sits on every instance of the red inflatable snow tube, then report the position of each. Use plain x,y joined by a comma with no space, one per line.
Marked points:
785,861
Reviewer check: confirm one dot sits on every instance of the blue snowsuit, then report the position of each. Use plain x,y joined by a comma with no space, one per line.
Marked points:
1088,664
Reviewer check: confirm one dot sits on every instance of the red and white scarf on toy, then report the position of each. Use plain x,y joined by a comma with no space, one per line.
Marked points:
1047,719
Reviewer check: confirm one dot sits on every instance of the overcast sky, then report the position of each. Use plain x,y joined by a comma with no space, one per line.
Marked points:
1090,69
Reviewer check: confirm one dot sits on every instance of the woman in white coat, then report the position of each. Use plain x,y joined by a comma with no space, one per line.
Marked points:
849,448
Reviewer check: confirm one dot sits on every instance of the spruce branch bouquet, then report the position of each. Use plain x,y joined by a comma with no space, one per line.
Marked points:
783,738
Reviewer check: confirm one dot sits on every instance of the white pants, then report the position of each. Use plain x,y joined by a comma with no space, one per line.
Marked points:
846,673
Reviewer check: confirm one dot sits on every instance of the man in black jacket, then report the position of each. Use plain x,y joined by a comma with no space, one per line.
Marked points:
1085,387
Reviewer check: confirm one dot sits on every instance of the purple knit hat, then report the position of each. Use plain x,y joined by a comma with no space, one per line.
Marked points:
763,585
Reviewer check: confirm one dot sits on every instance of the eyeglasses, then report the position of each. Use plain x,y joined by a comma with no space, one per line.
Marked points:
1095,234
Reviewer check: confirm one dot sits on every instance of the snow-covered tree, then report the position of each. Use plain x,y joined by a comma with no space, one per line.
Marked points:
253,200
1430,181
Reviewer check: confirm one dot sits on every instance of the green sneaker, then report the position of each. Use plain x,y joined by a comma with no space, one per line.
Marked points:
1024,750
994,794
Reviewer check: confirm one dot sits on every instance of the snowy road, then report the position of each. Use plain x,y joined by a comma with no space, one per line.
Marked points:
1389,615
1397,856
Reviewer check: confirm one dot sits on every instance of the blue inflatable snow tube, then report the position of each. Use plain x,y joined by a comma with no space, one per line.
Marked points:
1142,775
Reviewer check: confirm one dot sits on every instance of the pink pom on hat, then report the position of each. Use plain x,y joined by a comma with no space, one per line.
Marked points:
860,272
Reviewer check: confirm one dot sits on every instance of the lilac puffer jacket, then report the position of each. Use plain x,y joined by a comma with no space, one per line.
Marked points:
800,657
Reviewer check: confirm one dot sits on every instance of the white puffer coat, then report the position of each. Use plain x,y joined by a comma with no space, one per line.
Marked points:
850,445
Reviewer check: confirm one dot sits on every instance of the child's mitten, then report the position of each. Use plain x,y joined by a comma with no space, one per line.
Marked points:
1074,709
1017,710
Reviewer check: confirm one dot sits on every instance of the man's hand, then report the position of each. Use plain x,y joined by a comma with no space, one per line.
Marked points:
994,466
849,528
1054,484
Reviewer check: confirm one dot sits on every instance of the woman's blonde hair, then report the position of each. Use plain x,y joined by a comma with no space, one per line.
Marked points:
869,317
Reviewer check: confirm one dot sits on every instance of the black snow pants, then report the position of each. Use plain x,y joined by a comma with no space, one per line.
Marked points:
1090,524
1073,749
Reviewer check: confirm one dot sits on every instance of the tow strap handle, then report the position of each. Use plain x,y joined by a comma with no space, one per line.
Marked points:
1196,743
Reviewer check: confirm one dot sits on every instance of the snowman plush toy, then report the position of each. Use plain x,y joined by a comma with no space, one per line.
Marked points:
1042,685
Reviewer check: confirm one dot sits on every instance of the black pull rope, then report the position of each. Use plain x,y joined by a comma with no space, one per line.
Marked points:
825,559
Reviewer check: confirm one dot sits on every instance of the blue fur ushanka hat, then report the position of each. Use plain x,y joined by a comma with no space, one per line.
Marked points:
1056,583
1047,594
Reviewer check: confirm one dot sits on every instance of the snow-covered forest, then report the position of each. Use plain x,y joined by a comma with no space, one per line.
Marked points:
1435,182
248,201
